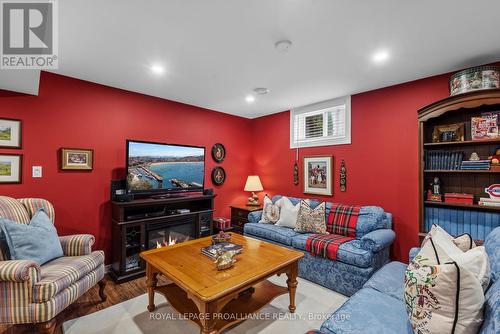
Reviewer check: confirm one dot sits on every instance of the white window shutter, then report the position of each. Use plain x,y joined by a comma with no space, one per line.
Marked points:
321,124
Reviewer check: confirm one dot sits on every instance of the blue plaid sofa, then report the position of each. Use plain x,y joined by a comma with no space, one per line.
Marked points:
379,307
356,260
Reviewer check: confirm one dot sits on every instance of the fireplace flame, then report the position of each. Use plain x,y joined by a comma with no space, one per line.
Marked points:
171,241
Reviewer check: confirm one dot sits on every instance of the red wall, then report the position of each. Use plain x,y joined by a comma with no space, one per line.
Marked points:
74,113
381,162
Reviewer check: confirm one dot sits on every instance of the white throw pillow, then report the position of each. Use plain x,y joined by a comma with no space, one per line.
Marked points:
270,212
444,287
464,241
288,213
444,298
439,247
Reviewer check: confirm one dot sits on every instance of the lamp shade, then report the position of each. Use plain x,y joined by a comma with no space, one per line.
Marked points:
253,183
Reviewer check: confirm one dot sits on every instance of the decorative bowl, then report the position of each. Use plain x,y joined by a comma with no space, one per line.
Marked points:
217,238
475,78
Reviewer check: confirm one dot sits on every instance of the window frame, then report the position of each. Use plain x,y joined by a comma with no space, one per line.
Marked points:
322,108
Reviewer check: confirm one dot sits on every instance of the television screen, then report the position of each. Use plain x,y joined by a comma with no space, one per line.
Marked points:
155,167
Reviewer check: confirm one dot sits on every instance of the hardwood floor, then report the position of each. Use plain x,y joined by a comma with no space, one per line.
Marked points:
89,303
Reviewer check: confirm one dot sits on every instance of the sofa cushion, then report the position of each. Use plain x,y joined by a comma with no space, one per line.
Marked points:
491,324
369,311
370,218
348,252
492,245
389,279
60,273
282,235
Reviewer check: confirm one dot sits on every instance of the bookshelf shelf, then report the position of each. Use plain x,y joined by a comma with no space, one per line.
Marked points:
463,143
463,206
459,171
438,159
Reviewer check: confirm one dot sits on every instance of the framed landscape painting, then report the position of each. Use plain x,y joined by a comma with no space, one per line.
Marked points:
10,133
77,159
318,175
11,168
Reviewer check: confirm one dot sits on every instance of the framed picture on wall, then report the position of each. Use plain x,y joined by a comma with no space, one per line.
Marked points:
10,133
318,175
77,159
11,168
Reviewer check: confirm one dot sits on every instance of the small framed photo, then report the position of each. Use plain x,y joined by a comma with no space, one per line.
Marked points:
11,168
448,133
318,175
10,133
77,159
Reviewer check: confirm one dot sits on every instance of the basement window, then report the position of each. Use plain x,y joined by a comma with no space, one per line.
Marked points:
321,124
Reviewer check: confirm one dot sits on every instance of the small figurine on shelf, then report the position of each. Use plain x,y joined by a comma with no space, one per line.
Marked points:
474,157
434,194
225,259
495,160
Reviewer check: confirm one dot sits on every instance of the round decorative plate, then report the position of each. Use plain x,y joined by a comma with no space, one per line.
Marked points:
218,152
218,176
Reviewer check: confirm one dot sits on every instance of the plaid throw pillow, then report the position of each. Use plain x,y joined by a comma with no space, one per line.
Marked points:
311,220
343,219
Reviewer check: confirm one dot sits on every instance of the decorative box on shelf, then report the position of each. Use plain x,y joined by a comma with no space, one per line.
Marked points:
459,198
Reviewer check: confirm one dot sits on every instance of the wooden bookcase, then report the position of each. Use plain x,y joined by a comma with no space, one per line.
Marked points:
457,109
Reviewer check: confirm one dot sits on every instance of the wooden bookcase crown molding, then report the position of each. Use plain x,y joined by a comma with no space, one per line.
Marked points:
470,100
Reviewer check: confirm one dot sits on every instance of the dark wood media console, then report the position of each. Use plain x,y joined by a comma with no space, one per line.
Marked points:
148,223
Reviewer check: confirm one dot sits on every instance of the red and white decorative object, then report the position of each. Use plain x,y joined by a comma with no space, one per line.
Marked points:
494,199
222,223
493,191
459,198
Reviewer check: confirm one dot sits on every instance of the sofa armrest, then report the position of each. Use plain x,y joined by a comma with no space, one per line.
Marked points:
76,245
19,271
413,252
377,240
254,216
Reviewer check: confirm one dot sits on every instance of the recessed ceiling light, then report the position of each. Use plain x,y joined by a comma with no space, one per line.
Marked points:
261,90
283,45
157,69
380,56
250,98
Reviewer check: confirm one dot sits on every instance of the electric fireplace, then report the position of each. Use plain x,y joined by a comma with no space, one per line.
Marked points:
170,233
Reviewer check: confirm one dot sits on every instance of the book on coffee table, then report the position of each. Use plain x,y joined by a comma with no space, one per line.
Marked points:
211,251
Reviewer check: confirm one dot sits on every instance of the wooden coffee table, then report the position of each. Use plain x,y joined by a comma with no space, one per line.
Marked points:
216,299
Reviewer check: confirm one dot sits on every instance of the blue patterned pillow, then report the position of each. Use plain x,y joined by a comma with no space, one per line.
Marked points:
36,241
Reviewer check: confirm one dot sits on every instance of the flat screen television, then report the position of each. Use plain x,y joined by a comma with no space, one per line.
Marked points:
156,168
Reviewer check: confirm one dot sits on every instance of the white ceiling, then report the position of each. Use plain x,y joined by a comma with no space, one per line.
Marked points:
215,52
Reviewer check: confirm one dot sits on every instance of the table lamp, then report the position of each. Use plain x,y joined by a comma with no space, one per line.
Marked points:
253,184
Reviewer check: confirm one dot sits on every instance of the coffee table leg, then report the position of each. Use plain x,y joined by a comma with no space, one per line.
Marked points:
292,284
208,312
151,282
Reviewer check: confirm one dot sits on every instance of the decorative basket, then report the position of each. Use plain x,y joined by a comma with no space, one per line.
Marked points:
475,78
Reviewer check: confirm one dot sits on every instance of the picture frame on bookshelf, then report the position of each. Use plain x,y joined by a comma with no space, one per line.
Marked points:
485,127
449,133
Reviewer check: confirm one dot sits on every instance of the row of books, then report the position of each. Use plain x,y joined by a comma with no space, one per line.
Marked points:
476,165
486,201
443,160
